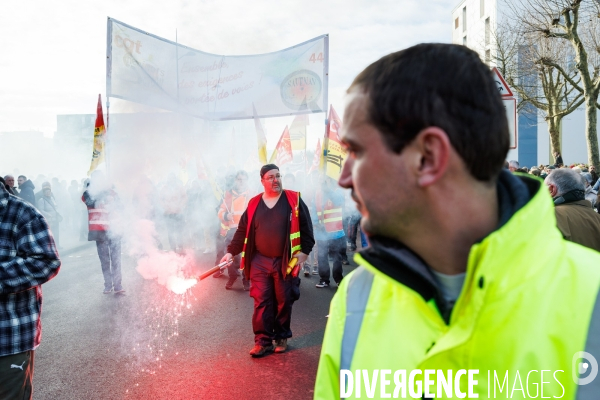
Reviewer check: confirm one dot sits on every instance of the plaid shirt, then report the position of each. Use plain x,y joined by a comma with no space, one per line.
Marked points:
28,258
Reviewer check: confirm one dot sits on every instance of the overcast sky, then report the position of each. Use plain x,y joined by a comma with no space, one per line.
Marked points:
53,52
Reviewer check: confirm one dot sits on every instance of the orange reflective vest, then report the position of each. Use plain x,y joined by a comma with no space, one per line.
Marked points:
233,204
329,215
293,199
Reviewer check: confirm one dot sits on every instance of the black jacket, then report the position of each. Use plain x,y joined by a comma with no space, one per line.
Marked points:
307,240
26,192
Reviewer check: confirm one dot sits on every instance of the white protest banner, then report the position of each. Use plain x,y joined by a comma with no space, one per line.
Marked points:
147,69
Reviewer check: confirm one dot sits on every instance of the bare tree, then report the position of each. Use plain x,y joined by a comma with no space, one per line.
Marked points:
575,22
530,63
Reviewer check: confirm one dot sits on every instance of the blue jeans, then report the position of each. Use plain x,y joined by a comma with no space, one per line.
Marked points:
364,242
352,226
109,252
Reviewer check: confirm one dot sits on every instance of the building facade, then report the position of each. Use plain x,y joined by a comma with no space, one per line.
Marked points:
474,24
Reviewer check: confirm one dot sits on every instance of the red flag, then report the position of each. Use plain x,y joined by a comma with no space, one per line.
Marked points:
334,126
336,152
99,136
317,158
283,151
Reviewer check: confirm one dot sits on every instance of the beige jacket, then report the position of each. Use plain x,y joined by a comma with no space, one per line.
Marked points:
579,223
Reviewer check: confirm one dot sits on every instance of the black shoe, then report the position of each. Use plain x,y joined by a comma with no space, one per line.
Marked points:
230,282
345,262
322,284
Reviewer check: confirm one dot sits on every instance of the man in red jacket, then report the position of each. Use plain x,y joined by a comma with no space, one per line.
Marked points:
274,229
100,199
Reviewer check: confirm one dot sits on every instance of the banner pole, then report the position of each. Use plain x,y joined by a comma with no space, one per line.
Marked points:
177,64
108,91
325,148
326,143
305,159
326,72
305,139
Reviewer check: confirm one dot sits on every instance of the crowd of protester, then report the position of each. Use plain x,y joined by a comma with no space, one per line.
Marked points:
185,214
59,202
588,175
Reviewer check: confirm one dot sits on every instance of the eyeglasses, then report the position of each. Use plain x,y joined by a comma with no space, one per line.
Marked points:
272,178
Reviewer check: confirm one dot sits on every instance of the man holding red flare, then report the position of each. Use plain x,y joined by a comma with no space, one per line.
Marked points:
274,229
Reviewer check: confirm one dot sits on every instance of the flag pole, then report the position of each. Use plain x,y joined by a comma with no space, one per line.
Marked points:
326,142
305,140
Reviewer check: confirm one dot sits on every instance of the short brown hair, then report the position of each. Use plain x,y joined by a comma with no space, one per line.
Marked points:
442,85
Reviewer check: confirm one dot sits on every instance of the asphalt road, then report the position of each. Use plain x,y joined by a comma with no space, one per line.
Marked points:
153,344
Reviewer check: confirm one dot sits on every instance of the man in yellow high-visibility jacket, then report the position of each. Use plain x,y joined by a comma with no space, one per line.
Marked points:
468,288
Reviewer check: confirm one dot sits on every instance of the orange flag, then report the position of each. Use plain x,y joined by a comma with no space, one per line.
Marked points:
283,151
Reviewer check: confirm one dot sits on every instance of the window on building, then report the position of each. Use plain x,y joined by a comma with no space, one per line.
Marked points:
488,57
464,19
487,31
456,23
481,8
465,40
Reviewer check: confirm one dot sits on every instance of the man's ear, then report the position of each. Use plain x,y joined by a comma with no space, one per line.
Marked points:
435,148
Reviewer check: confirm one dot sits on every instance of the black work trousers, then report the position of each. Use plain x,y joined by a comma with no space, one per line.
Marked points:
331,248
16,379
273,300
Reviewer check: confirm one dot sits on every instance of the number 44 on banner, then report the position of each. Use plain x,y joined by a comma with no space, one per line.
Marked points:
319,57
